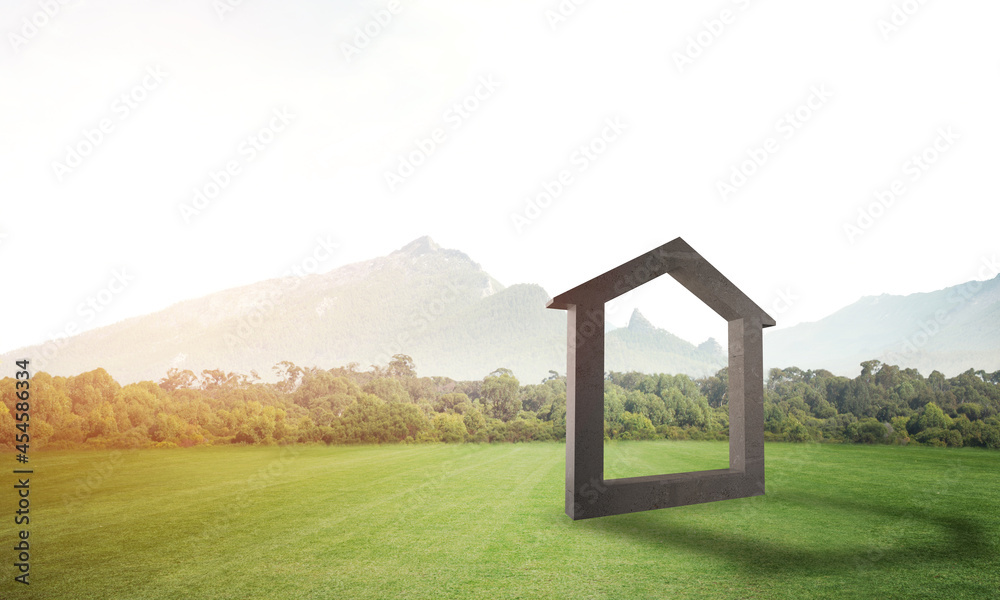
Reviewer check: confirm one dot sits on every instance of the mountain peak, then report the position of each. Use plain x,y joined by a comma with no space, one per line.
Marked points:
711,347
638,322
421,245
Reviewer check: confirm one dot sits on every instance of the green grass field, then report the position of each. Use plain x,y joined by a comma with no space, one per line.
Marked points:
487,521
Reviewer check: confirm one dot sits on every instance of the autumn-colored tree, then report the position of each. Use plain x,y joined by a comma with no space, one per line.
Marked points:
177,379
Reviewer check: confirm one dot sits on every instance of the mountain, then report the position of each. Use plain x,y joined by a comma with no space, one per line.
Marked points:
642,347
434,304
949,330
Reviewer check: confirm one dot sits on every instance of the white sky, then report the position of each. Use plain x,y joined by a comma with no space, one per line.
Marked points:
323,175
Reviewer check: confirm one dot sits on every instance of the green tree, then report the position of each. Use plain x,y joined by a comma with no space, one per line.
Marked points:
636,427
402,367
289,375
449,427
932,417
387,389
323,390
870,431
449,402
534,397
716,388
475,423
500,394
796,431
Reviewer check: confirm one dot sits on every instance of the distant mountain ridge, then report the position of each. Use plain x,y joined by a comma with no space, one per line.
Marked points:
441,308
436,305
643,347
949,330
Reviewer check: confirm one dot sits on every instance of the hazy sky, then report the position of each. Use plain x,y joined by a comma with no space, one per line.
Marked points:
632,116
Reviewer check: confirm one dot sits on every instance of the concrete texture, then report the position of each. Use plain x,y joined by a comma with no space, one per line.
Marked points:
588,494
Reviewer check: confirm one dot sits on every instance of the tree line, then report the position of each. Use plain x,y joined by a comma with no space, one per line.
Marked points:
884,404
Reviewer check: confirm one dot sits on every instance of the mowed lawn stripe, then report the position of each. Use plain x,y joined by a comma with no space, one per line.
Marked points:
213,512
344,507
319,549
487,521
629,460
458,510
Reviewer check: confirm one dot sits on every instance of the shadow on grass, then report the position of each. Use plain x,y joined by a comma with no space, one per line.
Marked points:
956,538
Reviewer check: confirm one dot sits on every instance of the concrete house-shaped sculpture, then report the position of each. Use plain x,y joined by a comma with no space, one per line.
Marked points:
588,494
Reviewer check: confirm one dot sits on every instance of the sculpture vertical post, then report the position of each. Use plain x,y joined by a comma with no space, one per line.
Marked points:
584,406
746,399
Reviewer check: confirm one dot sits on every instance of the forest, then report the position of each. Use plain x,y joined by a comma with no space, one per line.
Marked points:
391,404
